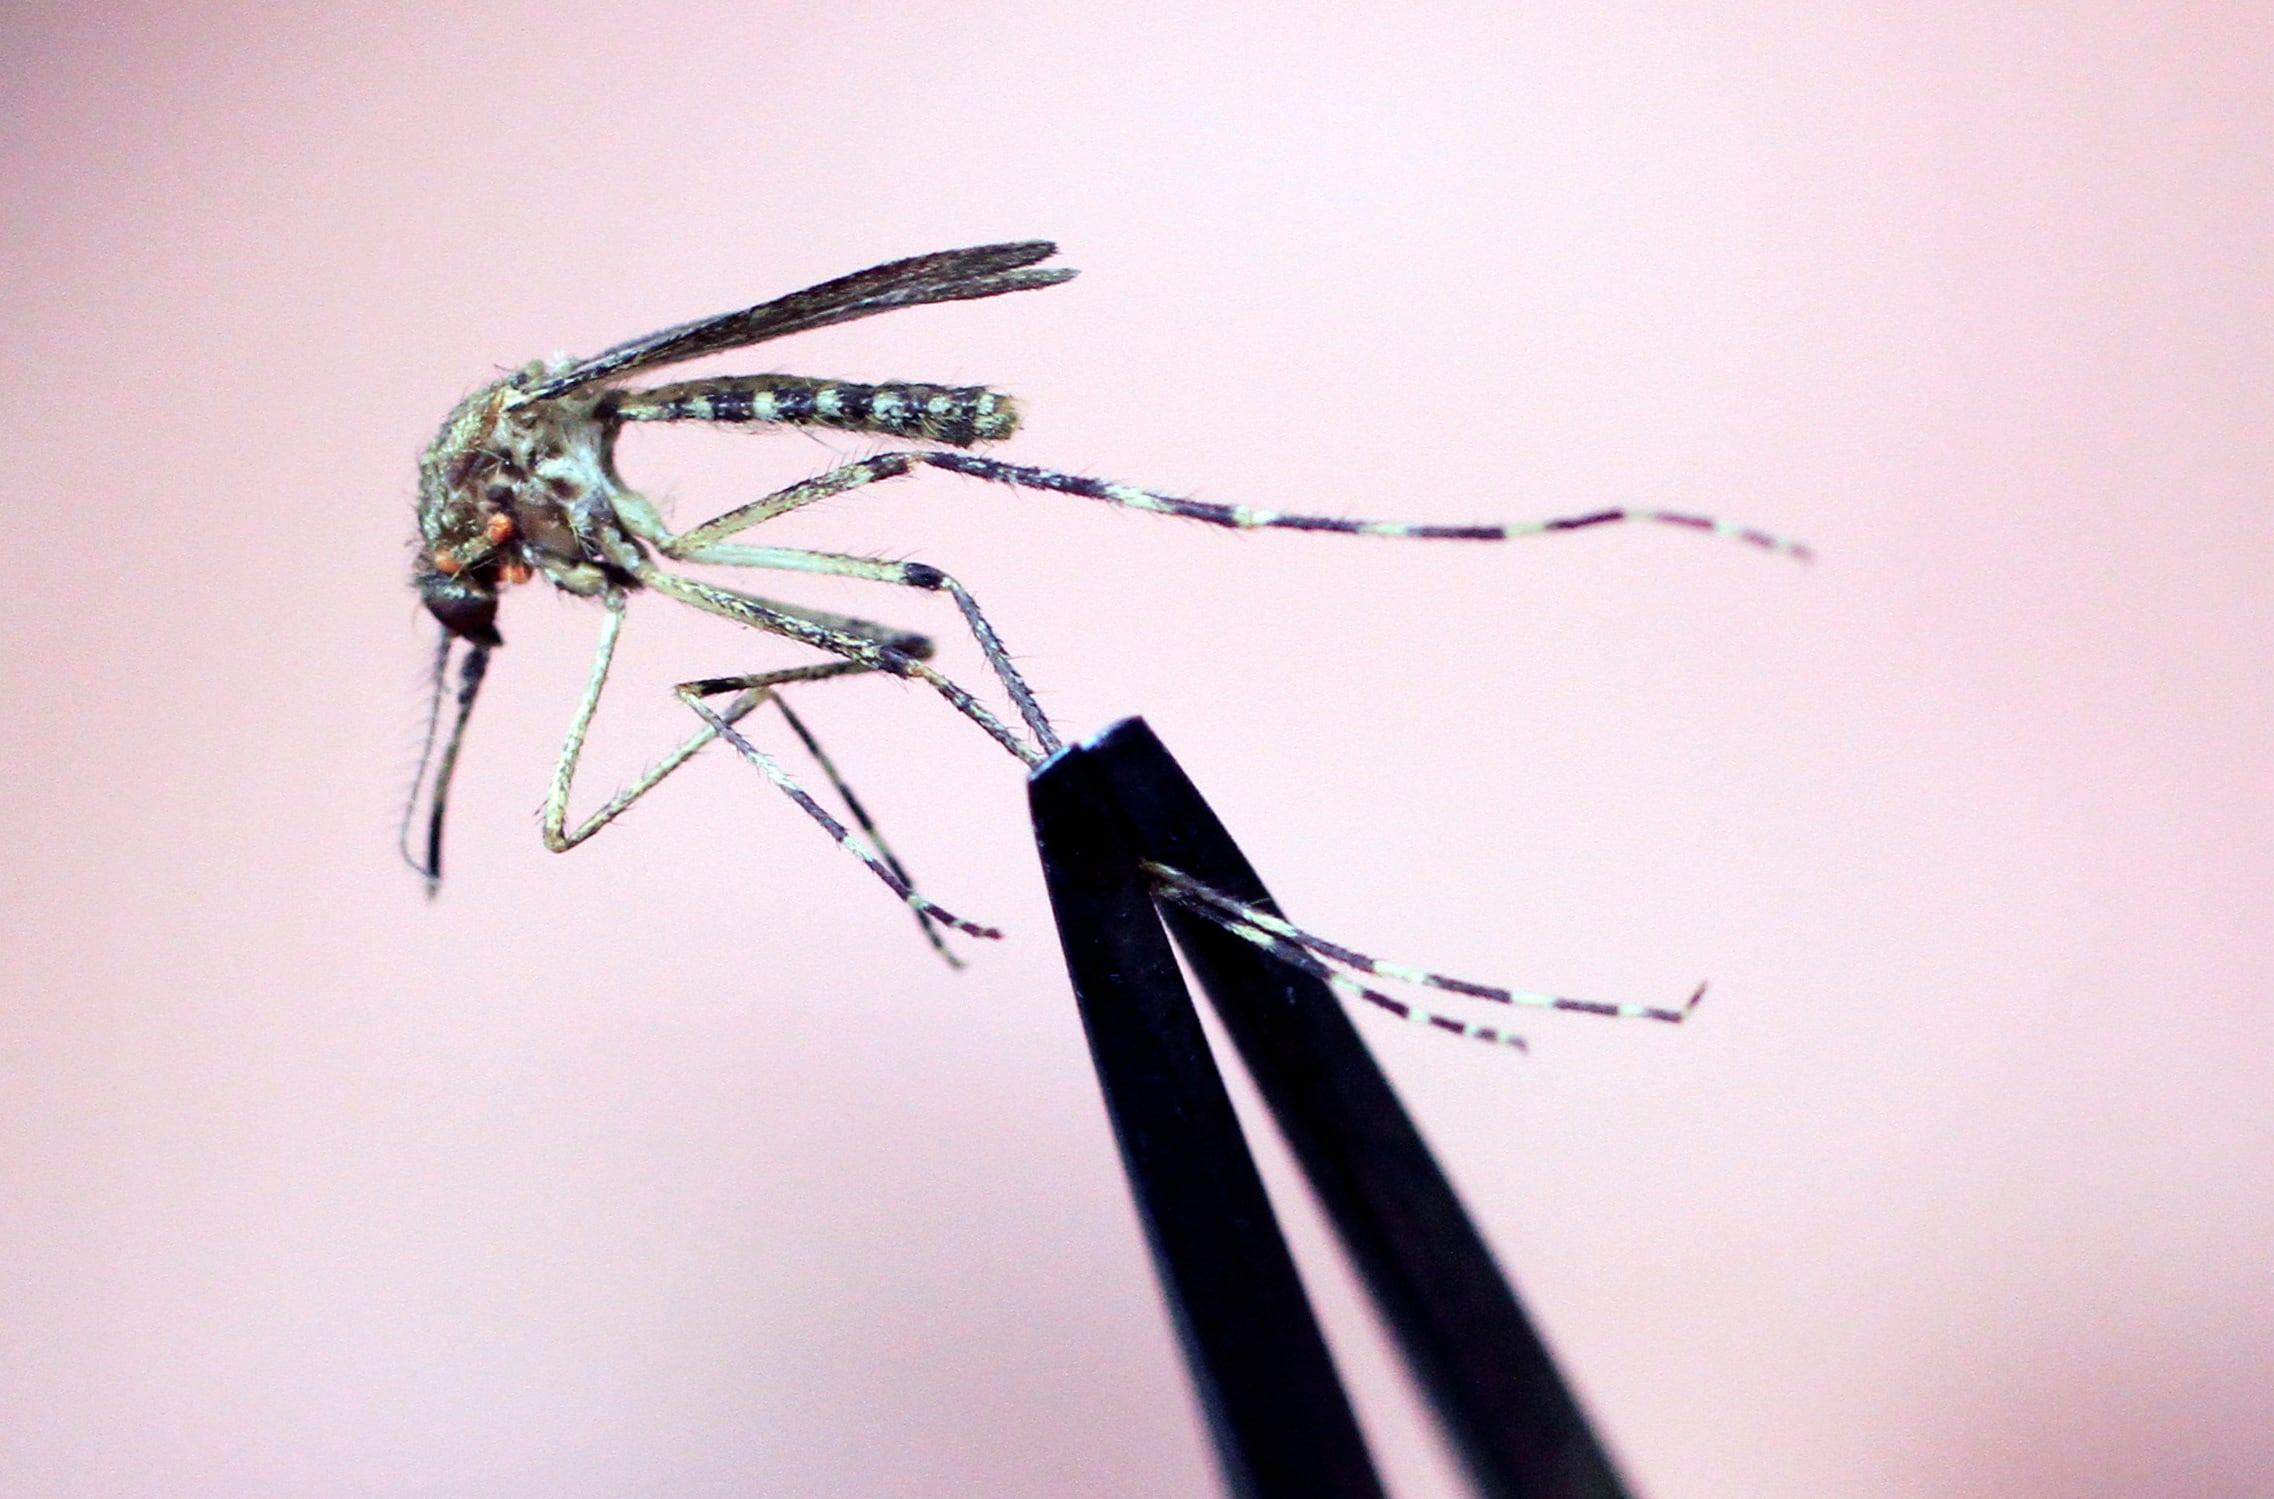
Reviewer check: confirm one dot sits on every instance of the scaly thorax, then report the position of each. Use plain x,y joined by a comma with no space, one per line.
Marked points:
512,487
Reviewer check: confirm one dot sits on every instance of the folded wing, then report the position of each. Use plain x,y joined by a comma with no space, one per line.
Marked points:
942,276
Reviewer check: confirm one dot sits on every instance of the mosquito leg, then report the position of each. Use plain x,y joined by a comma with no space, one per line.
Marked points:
906,642
708,542
861,819
906,575
1241,517
805,492
1236,517
1344,987
801,625
693,695
1249,921
559,837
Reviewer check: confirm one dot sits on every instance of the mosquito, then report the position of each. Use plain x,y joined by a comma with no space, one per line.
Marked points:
521,481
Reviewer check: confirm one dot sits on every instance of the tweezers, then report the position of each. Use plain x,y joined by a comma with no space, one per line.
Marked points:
1280,1420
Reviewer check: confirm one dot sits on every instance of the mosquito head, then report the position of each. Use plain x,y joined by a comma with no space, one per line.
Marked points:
466,532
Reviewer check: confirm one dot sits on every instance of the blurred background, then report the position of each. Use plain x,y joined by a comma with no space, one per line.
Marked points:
678,1166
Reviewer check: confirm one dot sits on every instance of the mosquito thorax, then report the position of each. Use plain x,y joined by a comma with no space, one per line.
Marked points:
512,487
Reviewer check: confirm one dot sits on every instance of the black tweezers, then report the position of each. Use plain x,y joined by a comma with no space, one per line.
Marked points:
1282,1424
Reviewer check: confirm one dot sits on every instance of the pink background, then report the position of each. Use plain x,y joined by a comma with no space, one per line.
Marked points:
679,1167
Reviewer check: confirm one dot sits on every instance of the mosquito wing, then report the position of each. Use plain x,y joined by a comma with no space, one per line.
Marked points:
942,276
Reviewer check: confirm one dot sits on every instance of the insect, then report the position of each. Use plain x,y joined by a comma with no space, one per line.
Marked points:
521,483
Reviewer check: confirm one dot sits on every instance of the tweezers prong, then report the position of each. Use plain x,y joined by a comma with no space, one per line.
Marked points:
1121,797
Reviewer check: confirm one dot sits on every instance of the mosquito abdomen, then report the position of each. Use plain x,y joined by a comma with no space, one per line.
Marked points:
958,415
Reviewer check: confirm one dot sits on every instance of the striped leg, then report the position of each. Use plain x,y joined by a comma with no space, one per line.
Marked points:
879,861
861,819
559,836
1242,518
1285,940
905,575
1344,987
1237,517
754,690
813,628
709,543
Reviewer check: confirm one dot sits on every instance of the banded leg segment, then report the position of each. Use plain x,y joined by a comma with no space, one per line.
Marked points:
1235,517
800,625
919,575
880,863
751,692
1283,938
559,836
1342,985
861,819
1244,518
710,543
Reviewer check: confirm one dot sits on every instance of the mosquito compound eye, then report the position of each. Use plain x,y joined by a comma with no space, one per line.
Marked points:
466,609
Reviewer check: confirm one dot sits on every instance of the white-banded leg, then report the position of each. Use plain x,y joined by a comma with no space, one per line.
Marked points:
861,819
755,690
918,575
1315,954
808,626
880,863
708,543
1245,518
1236,517
559,836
